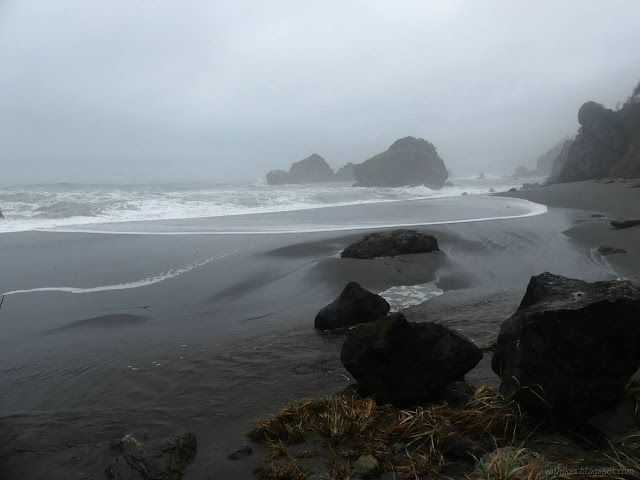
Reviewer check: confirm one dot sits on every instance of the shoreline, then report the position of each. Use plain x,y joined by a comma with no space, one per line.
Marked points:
246,323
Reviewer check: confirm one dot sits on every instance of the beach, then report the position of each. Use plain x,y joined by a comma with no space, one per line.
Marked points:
205,325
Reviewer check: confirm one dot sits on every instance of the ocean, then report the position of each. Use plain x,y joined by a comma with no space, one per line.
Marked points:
65,205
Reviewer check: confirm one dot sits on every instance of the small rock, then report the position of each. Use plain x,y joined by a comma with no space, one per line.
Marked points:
163,461
606,250
625,223
597,215
365,465
464,194
607,182
243,452
399,448
491,190
457,394
513,189
353,306
462,447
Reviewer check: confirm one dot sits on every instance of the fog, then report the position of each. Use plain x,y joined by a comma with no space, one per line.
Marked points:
122,91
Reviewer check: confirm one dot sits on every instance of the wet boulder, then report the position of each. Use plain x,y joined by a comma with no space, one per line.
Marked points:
570,348
620,224
353,306
390,244
161,461
607,250
402,362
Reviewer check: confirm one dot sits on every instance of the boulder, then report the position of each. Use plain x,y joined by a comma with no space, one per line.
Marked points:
314,168
353,306
409,161
280,177
345,174
481,176
607,250
401,362
390,244
163,461
530,186
1,215
570,348
619,224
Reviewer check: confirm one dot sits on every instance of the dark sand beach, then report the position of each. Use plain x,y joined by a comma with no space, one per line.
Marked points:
219,331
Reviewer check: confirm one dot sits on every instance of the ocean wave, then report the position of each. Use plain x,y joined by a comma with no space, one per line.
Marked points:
40,207
144,282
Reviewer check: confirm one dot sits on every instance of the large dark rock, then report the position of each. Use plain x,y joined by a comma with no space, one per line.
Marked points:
390,244
164,461
608,144
345,174
409,161
570,348
280,177
312,169
400,362
353,306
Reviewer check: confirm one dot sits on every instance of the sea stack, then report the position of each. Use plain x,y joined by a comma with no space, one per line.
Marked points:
409,161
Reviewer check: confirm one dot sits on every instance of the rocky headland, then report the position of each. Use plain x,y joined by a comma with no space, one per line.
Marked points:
408,161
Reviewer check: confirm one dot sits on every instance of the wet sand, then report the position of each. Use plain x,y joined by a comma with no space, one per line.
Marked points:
232,339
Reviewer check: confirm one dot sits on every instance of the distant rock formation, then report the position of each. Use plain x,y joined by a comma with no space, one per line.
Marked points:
391,244
1,215
312,169
545,162
345,174
409,161
559,161
608,143
280,177
523,172
570,348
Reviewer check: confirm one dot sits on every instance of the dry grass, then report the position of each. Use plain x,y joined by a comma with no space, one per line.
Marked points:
409,441
353,427
625,456
512,464
488,414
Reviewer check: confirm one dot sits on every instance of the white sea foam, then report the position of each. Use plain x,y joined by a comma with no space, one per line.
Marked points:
69,205
403,296
532,209
150,280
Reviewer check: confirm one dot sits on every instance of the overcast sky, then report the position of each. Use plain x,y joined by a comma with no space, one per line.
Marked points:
131,91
